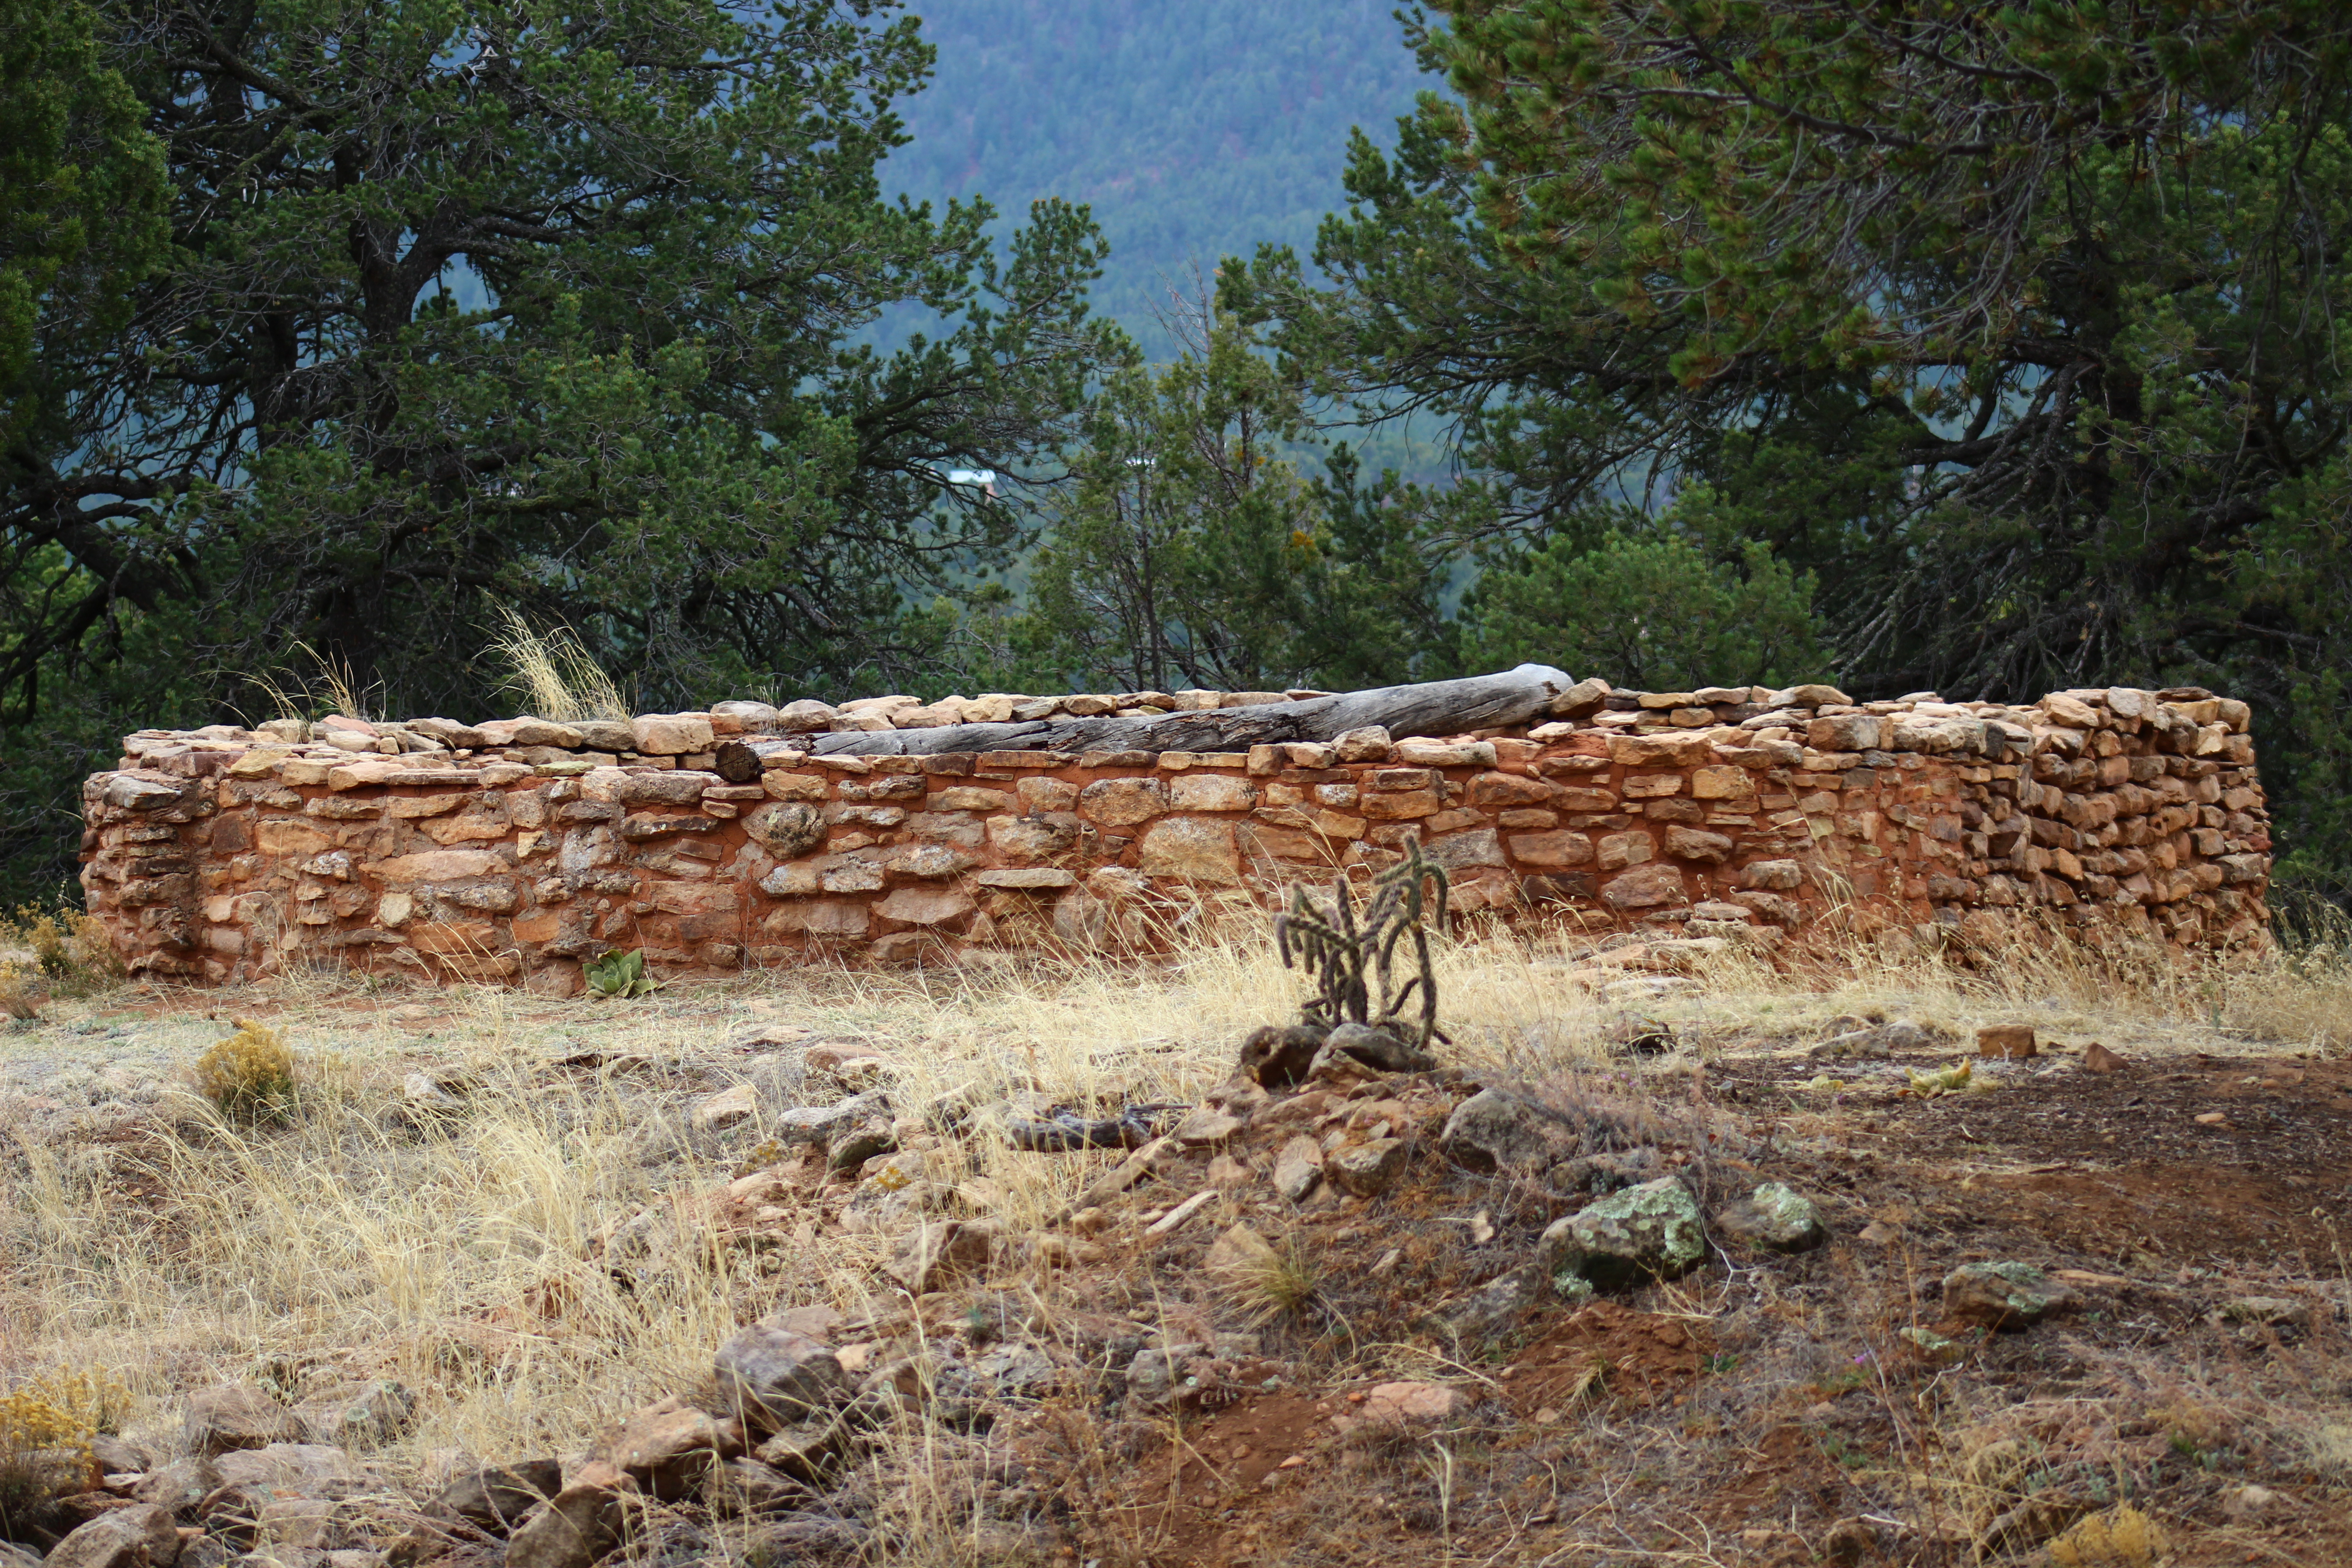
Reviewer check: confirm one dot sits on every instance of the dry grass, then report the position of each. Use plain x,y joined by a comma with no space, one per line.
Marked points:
553,672
485,1257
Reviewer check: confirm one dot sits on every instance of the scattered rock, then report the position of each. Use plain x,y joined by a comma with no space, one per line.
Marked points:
1497,1129
1492,1309
2014,1042
496,1498
742,1488
139,1536
1298,1169
1375,1048
669,1447
1652,1230
1240,1252
931,1254
2004,1295
1639,1035
236,1416
1405,1404
311,1469
806,1451
821,1124
1774,1218
1206,1127
2277,1311
729,1108
2252,1502
1277,1056
1367,1169
2096,1057
776,1375
572,1530
1606,1173
361,1415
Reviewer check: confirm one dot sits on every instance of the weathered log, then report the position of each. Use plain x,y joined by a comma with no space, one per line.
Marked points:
1431,708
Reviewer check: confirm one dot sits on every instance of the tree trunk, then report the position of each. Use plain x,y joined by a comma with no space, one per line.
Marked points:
1431,707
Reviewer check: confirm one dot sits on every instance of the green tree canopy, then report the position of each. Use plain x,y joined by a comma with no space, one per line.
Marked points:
82,203
552,306
2015,324
1194,551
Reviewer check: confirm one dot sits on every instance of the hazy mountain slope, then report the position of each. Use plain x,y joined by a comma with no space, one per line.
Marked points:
1195,130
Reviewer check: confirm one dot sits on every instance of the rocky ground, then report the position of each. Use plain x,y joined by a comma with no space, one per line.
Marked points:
1014,1267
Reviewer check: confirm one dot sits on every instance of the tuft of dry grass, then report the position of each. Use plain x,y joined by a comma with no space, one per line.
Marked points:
554,673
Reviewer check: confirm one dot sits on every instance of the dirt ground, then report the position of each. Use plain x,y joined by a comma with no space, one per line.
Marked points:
1765,1409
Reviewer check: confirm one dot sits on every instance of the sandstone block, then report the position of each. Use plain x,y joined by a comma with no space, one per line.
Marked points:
439,866
1123,802
1844,733
1618,850
1645,887
1212,792
1195,849
1780,874
1027,878
1368,745
925,906
1722,783
1496,789
1398,805
2014,1042
672,734
1559,848
1697,843
833,918
285,835
1683,751
1460,851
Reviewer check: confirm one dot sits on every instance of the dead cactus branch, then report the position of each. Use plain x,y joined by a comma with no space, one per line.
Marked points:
1352,955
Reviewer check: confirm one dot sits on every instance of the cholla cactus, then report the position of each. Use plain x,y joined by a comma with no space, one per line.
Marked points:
1353,956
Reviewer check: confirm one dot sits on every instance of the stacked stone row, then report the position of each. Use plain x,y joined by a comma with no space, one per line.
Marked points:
1735,815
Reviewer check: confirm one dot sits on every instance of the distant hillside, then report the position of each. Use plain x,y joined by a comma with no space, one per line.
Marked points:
1195,129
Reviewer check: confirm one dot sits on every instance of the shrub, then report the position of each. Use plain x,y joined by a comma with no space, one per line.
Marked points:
46,1428
249,1075
69,954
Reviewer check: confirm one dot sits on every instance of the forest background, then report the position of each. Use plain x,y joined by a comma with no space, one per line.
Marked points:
1941,345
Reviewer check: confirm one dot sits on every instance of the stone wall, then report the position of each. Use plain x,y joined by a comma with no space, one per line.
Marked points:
516,850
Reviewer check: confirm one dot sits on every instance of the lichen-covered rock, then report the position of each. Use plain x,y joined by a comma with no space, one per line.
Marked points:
1650,1231
1773,1218
2005,1295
